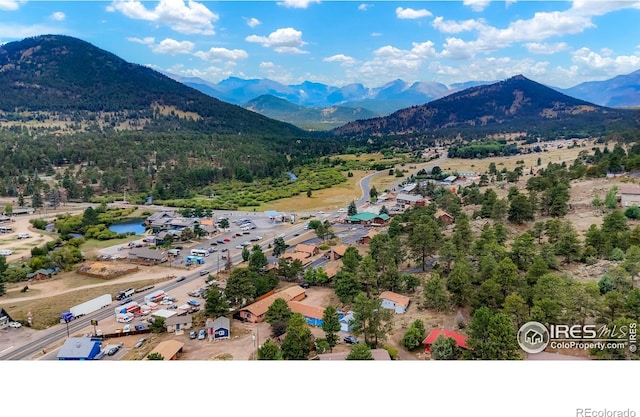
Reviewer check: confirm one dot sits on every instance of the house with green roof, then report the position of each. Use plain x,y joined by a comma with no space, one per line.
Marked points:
369,219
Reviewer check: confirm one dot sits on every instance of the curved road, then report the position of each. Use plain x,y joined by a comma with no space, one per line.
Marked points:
366,180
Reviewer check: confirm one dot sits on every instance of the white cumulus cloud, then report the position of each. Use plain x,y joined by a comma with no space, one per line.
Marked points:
58,16
451,26
546,48
188,17
477,5
253,22
297,4
408,13
592,62
11,5
149,40
173,47
363,7
342,59
283,40
222,54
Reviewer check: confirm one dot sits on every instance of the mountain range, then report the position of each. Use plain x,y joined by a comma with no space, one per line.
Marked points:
55,73
516,104
65,75
309,103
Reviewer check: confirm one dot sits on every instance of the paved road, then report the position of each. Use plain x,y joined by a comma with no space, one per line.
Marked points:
365,182
57,333
212,263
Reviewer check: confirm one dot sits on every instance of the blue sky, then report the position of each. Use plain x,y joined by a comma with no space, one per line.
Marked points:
560,43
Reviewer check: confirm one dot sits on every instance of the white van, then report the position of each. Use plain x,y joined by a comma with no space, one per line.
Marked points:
6,252
24,235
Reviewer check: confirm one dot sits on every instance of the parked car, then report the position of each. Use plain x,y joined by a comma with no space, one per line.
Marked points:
226,239
115,349
221,242
193,334
254,239
180,279
15,324
140,342
202,334
246,232
351,340
126,328
212,243
140,326
304,284
193,302
172,306
224,250
239,246
204,272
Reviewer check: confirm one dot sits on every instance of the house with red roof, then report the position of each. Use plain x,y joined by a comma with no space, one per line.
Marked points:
461,340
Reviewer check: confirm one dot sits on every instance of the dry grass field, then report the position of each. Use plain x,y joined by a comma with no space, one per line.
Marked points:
551,155
330,198
46,310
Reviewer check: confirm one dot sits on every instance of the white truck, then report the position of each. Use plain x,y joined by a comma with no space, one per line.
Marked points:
90,306
155,296
124,318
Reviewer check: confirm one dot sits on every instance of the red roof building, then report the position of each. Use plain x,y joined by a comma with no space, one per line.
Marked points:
461,340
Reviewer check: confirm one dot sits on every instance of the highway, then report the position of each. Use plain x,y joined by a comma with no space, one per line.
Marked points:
57,333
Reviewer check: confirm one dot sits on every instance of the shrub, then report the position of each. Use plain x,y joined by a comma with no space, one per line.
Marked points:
393,351
616,255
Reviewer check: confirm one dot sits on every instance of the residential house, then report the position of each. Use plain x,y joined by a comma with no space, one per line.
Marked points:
311,250
408,188
449,180
460,339
254,313
42,273
168,349
159,215
443,216
629,195
377,354
178,323
404,200
292,256
336,252
331,269
219,328
148,255
80,349
346,321
396,302
364,240
312,314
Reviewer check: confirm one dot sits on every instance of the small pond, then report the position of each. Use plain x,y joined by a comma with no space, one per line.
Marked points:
131,225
